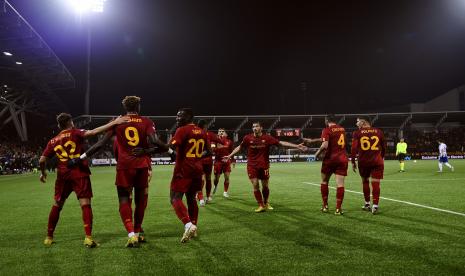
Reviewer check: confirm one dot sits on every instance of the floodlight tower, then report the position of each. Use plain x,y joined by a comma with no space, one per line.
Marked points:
87,7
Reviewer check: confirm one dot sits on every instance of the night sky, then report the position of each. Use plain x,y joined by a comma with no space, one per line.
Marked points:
251,57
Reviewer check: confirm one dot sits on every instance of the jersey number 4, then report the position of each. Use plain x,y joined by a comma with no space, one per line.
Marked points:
369,143
196,148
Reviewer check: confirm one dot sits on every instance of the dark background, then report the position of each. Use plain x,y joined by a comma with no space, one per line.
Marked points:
251,57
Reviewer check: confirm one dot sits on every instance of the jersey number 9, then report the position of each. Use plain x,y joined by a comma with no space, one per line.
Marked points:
132,135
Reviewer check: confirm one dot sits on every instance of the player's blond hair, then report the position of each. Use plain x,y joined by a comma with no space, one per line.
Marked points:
131,103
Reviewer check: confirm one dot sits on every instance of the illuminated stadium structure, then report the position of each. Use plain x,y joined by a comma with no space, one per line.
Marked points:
30,72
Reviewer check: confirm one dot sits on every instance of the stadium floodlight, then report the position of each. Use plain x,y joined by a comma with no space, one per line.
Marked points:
7,54
19,63
84,6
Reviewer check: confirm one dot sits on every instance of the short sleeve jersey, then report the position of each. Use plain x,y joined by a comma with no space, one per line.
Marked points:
129,136
190,142
258,149
335,135
67,145
224,149
212,138
368,143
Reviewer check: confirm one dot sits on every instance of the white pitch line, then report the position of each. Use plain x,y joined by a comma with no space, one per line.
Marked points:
395,200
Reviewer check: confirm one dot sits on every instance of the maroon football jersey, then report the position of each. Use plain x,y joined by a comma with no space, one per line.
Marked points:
224,149
212,138
369,144
258,149
67,145
190,142
129,136
336,137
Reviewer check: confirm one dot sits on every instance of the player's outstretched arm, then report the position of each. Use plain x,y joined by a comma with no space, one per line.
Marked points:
310,140
322,148
236,150
294,146
100,129
43,172
156,146
97,146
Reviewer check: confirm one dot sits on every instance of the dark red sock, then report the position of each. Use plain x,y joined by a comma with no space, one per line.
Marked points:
339,197
181,210
193,210
226,186
53,220
200,195
376,192
208,187
139,212
366,190
266,194
258,197
125,212
87,219
324,193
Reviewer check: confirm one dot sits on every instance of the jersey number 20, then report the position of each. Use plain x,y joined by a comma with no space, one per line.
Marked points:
196,148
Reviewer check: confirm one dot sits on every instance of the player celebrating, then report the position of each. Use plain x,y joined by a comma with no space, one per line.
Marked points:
401,152
258,163
221,166
191,144
443,160
334,161
368,144
207,163
66,145
132,169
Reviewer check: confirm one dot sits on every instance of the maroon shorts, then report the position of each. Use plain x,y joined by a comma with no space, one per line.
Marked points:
184,185
375,171
81,187
207,168
132,178
339,168
260,173
222,167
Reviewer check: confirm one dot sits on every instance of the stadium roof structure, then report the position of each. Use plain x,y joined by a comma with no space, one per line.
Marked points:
30,72
241,124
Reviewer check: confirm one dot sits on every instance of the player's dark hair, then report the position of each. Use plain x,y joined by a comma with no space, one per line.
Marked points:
364,118
131,103
189,113
63,120
331,118
201,123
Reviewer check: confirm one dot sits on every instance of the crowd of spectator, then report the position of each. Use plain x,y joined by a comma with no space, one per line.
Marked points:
18,157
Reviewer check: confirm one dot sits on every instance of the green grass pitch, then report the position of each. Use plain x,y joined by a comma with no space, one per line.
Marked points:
295,238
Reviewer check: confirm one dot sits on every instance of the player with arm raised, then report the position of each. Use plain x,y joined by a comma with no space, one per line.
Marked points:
221,166
191,145
135,141
369,147
258,163
334,161
66,145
